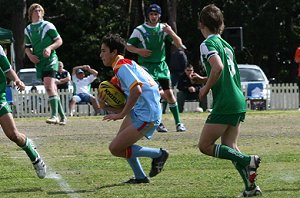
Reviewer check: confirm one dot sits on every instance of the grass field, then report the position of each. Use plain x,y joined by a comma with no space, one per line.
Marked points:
80,165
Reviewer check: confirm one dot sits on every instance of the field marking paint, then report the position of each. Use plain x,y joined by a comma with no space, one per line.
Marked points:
62,183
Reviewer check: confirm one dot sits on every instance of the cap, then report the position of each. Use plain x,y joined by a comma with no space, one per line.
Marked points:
154,8
79,71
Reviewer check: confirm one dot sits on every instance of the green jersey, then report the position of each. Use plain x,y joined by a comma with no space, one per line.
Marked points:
151,38
228,97
4,67
38,36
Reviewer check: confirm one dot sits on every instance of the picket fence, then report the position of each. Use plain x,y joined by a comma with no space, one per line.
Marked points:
282,97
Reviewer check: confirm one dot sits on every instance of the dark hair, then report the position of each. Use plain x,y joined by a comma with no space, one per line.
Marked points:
212,17
114,42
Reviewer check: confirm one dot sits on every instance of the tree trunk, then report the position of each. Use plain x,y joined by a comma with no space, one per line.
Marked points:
18,25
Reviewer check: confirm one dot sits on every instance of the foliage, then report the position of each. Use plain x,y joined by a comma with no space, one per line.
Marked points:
270,28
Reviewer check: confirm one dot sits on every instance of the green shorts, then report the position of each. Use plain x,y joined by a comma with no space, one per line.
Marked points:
228,119
4,108
47,66
157,70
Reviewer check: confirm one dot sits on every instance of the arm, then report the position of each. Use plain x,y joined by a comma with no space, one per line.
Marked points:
57,43
297,55
134,95
86,68
140,51
216,70
64,80
176,39
11,74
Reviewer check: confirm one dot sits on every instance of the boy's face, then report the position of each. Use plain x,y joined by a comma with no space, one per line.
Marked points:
106,56
37,14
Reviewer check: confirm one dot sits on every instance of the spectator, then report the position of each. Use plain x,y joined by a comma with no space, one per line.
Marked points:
63,77
297,60
187,89
82,86
178,63
63,81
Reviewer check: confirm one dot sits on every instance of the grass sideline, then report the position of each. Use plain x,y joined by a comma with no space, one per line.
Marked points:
80,164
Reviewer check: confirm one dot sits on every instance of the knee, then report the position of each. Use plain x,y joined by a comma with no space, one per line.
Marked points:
203,148
113,150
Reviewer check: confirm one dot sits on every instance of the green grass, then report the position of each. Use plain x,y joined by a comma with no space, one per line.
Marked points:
80,164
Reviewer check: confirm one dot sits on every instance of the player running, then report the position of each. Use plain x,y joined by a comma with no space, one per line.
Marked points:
141,113
229,107
7,121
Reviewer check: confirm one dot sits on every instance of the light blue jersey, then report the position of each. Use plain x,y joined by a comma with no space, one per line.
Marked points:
129,73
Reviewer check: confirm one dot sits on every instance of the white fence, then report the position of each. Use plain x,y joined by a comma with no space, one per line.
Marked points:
282,97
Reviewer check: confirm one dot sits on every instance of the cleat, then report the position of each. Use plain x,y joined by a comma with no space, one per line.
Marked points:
63,121
52,120
180,127
137,181
161,128
40,167
251,193
158,163
251,170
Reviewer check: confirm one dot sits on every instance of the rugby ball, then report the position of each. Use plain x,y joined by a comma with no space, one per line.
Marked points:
114,96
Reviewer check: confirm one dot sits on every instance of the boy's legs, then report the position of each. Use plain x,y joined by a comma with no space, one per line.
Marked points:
9,127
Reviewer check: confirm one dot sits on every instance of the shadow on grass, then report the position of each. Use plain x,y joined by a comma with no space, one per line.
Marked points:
83,191
22,190
282,190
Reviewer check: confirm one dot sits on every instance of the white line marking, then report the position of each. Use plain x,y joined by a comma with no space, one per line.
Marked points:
61,182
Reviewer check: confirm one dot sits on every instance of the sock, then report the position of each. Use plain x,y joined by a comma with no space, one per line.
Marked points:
139,151
60,109
243,173
30,151
54,105
136,166
225,152
174,109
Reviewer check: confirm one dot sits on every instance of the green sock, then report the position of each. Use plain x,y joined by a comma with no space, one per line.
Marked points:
54,105
243,173
175,112
60,109
30,151
225,152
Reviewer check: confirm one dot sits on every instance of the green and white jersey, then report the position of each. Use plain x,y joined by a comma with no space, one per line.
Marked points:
4,67
38,36
228,97
151,38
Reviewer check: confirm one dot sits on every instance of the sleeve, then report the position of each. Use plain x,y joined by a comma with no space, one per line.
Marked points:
51,31
135,38
128,77
4,63
207,51
91,78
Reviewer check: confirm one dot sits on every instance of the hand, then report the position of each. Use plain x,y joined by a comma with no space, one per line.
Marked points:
20,85
203,92
144,52
168,29
192,89
34,59
196,78
113,117
47,52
